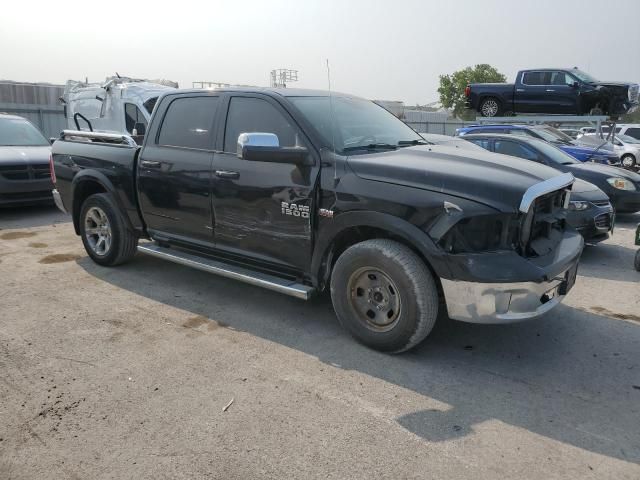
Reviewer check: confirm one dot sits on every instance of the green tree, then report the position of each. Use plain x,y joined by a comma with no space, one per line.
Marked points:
452,87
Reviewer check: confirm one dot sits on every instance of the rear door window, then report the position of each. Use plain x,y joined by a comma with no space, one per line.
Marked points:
535,78
188,123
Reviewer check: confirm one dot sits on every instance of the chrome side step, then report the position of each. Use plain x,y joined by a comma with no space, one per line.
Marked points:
259,279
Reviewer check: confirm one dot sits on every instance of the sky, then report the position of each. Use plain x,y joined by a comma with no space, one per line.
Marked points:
378,49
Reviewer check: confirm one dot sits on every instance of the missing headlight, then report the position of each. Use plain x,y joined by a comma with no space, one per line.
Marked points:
482,233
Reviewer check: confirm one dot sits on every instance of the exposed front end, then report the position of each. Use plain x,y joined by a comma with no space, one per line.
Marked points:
526,267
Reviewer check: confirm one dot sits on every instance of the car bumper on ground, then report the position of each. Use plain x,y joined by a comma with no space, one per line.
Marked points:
514,299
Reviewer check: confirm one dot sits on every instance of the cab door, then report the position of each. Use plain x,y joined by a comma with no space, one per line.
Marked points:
174,169
263,209
529,96
561,95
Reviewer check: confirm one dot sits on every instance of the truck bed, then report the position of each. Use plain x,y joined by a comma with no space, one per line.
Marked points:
111,158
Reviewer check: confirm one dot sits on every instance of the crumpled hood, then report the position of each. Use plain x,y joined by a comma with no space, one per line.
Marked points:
19,155
495,180
605,170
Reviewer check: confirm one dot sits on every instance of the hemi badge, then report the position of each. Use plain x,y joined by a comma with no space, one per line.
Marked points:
324,212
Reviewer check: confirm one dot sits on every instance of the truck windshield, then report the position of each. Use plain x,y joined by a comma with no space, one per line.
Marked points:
19,132
585,77
358,125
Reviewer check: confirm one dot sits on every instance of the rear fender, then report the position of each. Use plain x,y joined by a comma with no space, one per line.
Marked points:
101,179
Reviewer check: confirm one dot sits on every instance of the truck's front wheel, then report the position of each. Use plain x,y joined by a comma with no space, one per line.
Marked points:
384,295
105,235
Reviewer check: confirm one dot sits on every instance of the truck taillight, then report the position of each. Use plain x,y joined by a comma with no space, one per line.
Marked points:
467,91
52,172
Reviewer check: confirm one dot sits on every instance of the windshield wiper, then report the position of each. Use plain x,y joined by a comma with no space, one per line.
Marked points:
403,143
371,146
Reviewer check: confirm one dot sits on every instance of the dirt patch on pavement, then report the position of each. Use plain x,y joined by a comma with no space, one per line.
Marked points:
15,235
620,316
200,320
59,258
38,245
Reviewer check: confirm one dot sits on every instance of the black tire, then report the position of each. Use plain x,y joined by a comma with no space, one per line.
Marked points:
628,161
123,242
415,293
490,107
636,263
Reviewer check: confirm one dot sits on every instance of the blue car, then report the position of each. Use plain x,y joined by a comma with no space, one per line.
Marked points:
583,153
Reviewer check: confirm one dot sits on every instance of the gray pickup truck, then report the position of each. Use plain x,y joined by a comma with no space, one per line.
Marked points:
301,192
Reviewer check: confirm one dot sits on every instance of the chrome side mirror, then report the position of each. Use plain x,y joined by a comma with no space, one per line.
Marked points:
265,147
256,139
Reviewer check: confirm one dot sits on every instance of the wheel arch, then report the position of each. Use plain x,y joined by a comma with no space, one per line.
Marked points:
85,184
350,228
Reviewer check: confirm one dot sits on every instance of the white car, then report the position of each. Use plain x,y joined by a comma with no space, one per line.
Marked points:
630,129
626,147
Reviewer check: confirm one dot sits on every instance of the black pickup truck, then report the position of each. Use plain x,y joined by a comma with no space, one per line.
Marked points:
300,192
568,91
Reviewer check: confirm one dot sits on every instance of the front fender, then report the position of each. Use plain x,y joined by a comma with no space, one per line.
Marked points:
331,229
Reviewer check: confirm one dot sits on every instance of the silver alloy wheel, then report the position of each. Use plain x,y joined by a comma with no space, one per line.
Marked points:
489,108
97,231
627,161
375,299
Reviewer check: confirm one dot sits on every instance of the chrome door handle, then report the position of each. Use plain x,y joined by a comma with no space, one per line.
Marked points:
150,164
550,90
227,174
519,89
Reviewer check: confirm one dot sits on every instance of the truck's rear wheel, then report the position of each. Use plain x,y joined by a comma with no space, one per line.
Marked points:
104,233
384,295
490,107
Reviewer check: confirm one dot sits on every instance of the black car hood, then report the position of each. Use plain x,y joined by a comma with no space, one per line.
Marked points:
19,155
582,190
595,169
495,180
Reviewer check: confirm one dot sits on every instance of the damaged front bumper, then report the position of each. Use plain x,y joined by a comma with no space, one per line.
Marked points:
509,288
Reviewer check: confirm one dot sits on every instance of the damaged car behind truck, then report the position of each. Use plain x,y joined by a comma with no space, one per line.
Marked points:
301,192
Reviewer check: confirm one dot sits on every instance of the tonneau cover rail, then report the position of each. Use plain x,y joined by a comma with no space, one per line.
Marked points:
113,138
